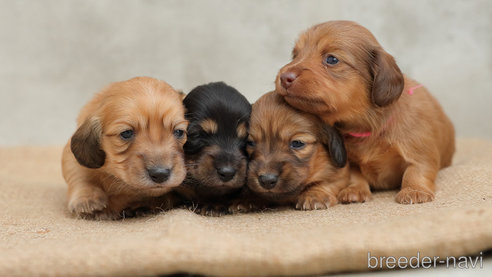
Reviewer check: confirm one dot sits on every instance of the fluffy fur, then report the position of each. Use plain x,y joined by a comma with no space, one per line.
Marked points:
127,152
295,159
215,151
341,73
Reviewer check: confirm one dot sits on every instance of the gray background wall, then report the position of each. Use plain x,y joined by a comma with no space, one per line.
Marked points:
54,55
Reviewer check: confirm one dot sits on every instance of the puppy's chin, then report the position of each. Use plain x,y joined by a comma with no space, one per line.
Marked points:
202,176
216,190
277,194
212,186
314,106
302,101
144,184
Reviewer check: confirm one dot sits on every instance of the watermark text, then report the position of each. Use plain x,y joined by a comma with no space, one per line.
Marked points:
418,261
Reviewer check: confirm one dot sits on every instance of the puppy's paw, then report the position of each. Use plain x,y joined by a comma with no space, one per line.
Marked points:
137,212
315,201
354,194
245,207
104,215
211,210
414,196
89,204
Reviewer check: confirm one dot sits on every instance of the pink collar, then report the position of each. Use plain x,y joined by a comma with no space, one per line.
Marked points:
360,135
368,134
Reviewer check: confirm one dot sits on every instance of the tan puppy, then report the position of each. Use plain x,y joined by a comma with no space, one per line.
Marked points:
397,135
294,157
127,151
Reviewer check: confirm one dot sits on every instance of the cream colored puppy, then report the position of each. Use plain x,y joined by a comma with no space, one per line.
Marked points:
127,152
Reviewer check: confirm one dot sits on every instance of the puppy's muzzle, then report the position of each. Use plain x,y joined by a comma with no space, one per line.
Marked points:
226,173
268,181
159,174
287,79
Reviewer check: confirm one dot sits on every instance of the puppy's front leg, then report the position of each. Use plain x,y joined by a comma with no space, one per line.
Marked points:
247,202
319,196
84,198
247,205
417,184
358,190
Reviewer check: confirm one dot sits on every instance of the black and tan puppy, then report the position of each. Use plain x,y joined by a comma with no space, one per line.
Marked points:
295,159
215,152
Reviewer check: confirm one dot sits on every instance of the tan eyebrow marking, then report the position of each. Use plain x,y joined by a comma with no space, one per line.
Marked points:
241,130
209,126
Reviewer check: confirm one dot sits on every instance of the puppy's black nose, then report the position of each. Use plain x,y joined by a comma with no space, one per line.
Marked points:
226,173
159,174
287,79
268,181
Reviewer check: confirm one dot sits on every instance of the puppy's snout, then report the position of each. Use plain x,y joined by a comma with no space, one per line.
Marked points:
226,173
268,181
159,174
287,79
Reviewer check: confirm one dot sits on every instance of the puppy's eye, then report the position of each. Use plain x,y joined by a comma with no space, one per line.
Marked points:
127,135
250,143
297,144
331,60
178,133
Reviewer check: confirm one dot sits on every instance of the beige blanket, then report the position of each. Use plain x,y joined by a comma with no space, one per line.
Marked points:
39,237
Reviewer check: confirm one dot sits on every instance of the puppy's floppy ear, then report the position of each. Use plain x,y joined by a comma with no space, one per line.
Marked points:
86,144
387,83
333,142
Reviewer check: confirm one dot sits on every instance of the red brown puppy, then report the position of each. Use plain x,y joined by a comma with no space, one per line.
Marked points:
127,151
397,135
295,159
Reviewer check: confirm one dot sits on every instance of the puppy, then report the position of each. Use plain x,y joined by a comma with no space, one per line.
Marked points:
295,159
397,134
127,151
215,151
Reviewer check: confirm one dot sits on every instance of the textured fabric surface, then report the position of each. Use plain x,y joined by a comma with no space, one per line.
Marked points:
39,237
